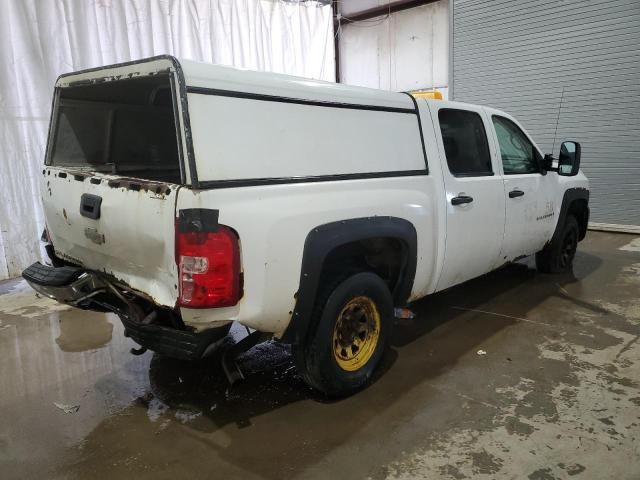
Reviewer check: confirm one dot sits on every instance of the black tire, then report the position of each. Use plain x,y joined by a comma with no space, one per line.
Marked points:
341,306
557,256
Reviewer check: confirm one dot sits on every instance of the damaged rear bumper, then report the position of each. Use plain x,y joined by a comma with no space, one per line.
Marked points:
182,344
69,285
91,290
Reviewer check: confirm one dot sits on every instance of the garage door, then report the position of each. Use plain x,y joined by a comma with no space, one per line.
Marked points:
577,62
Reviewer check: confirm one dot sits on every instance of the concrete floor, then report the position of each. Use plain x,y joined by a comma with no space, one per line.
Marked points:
556,395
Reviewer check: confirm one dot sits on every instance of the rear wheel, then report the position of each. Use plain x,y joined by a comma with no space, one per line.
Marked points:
352,321
557,257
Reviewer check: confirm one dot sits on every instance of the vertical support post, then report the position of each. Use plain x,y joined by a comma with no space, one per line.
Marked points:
451,73
336,37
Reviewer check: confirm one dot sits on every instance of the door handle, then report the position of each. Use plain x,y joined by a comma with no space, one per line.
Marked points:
461,200
90,206
515,193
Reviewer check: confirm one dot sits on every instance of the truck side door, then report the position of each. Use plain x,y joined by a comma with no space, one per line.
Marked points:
528,193
474,192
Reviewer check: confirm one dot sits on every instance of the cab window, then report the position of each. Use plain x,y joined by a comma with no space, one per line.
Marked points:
465,143
518,153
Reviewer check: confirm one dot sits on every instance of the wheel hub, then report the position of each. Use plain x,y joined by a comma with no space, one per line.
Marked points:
356,333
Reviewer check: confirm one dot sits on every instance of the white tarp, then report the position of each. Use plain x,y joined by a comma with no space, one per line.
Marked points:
40,39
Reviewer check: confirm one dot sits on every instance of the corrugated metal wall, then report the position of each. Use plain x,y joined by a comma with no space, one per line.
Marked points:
520,56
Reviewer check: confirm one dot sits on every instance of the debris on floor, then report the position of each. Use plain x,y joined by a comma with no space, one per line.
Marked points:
67,408
404,314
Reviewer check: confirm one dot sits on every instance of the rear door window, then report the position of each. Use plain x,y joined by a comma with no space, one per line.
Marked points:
465,143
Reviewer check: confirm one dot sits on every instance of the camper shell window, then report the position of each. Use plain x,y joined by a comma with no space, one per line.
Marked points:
123,127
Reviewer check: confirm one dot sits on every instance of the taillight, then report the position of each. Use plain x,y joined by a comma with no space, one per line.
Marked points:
208,268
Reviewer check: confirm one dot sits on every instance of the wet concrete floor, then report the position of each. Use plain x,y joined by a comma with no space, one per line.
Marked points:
556,395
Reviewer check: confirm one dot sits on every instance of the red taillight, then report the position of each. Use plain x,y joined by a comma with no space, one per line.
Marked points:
208,268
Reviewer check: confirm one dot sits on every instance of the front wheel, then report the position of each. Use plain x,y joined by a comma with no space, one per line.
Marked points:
557,256
352,322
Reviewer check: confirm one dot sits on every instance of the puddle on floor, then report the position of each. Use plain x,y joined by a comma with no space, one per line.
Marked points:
81,331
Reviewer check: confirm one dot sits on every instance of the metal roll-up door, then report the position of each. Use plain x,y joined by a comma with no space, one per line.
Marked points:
577,62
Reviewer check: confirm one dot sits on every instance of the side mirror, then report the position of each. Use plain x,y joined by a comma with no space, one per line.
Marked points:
569,159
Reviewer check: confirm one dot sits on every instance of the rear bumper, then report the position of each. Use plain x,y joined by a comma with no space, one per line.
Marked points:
90,290
175,343
69,285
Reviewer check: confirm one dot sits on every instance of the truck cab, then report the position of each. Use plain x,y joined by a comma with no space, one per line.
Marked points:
500,187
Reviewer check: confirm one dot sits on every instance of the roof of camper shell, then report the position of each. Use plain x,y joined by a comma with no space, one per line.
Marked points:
218,77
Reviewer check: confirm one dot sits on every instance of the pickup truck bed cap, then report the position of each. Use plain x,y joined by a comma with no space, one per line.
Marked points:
204,75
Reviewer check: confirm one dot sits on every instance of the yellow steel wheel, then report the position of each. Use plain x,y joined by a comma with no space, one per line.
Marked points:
356,334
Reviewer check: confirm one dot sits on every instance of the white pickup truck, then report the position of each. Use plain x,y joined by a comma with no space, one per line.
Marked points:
184,196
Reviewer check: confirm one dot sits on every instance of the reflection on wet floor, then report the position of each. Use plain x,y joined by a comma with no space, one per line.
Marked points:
557,390
271,382
54,358
33,346
79,333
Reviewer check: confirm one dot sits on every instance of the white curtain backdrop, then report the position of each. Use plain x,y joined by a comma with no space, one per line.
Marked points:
40,39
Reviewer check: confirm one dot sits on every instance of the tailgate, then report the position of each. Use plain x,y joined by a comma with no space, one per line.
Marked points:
133,237
113,170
